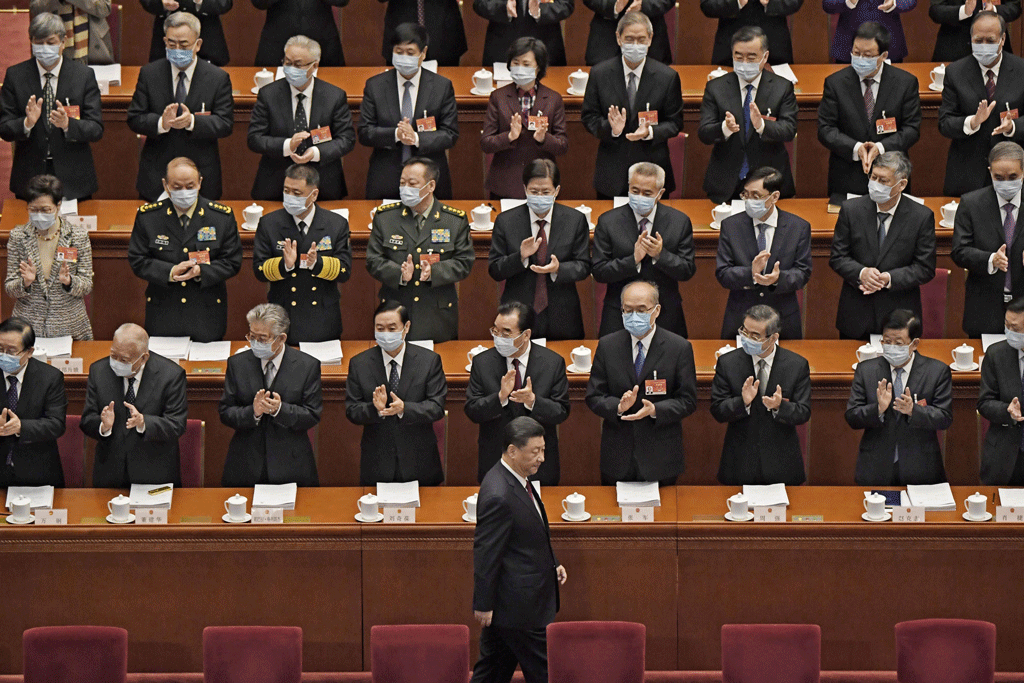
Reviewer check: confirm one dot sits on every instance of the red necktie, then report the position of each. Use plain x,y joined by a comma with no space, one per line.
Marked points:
540,293
990,84
519,377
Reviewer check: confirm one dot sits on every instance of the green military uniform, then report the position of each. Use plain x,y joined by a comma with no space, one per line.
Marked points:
433,306
197,308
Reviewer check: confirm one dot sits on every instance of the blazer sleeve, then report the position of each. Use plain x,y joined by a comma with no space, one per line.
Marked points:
719,9
1009,10
303,416
862,406
726,406
729,273
170,425
235,412
684,396
945,12
964,253
669,125
554,408
492,10
680,264
493,532
503,260
783,128
359,408
796,409
481,407
910,116
89,127
371,134
796,278
343,135
841,260
782,8
709,129
142,118
578,267
218,123
140,259
555,11
258,136
455,269
598,398
90,422
342,253
263,259
14,285
81,277
951,119
605,266
939,413
604,8
594,119
447,133
990,403
12,111
378,265
494,136
829,133
834,6
922,269
226,266
431,408
50,426
212,7
656,8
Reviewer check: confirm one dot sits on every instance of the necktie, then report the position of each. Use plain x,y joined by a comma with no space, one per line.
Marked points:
869,97
638,364
643,225
12,405
519,375
393,378
77,22
1009,227
48,100
129,396
302,227
421,14
540,292
269,373
631,90
407,114
526,100
762,237
745,166
533,495
897,390
990,84
301,123
179,92
184,221
881,229
762,376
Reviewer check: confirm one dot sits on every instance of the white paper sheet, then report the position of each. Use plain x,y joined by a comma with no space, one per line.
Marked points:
427,344
1013,497
107,72
933,497
772,494
509,204
209,351
55,347
988,340
637,494
430,65
174,348
341,212
69,207
786,72
619,201
399,494
139,497
41,497
327,352
275,496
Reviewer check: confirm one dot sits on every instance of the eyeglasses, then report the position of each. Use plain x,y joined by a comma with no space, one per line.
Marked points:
627,311
505,335
753,336
297,64
753,195
263,339
179,45
11,351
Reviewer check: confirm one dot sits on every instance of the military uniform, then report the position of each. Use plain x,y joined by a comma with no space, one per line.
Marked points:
433,306
198,307
311,297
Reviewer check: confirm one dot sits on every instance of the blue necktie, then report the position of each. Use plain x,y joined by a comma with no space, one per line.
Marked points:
745,168
12,405
638,364
407,114
897,390
762,237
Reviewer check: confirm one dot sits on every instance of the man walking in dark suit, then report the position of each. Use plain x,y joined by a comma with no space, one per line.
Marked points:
301,119
900,400
642,384
182,107
977,92
763,392
390,116
540,251
271,399
748,116
303,251
396,391
883,248
50,109
601,41
619,91
437,17
769,16
515,572
644,240
287,18
214,48
988,242
517,378
136,425
999,402
511,19
954,18
867,109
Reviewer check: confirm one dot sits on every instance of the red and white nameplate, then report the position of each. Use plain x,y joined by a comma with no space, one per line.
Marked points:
427,124
637,514
884,126
199,256
394,515
51,517
73,111
67,255
655,387
267,516
770,514
1004,513
319,135
648,117
535,122
908,515
151,516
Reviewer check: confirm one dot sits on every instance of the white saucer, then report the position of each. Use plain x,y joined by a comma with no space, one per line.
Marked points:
371,520
254,90
886,518
575,93
469,367
227,518
11,520
944,224
715,225
987,517
245,226
481,93
131,518
854,366
474,228
935,88
572,368
467,518
749,516
566,517
974,366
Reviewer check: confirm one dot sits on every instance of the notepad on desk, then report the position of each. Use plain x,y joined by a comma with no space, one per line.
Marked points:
399,494
209,351
932,497
772,494
174,348
54,347
275,496
40,497
327,352
151,495
637,494
1011,497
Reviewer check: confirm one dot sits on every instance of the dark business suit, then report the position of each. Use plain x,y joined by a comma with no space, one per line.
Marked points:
443,21
569,242
963,88
71,151
773,94
791,249
210,91
772,20
273,121
613,263
42,408
849,20
602,43
761,448
214,48
658,87
505,176
515,577
273,450
124,456
502,31
546,371
954,39
977,233
843,122
381,112
311,18
1000,384
396,449
907,254
920,458
650,449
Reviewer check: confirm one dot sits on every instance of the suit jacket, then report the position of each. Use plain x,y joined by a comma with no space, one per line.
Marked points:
772,20
613,263
602,43
964,88
655,443
505,176
843,122
311,18
659,87
71,151
977,233
278,443
101,46
391,445
502,31
907,254
311,297
569,242
124,456
737,248
546,372
759,447
920,459
381,112
1000,384
850,19
42,408
214,48
210,91
514,566
443,23
722,95
954,39
197,307
273,121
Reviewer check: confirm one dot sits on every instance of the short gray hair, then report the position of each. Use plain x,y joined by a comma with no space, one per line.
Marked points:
306,43
135,335
183,19
763,313
649,169
271,314
647,283
44,25
630,18
897,162
1007,150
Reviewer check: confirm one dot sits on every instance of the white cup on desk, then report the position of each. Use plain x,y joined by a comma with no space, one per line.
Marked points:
118,508
252,213
949,212
21,509
482,216
581,358
368,507
739,507
874,506
587,212
938,75
473,352
720,213
235,507
483,80
963,357
469,507
263,77
578,81
723,350
717,73
976,506
867,352
574,506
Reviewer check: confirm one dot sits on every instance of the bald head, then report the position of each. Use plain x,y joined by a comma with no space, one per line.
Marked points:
640,292
130,345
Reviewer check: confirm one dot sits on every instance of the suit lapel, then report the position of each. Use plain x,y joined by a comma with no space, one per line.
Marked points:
619,85
391,96
749,236
408,225
422,96
196,99
316,118
733,99
143,390
882,102
1007,83
543,102
406,378
894,228
432,220
654,354
645,88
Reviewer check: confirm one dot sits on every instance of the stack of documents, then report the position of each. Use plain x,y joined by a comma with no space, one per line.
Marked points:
932,497
275,496
54,347
641,494
111,73
174,348
143,496
41,497
764,496
327,352
1011,497
209,351
399,494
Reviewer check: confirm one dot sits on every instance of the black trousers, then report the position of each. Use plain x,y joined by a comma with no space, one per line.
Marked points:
501,649
633,474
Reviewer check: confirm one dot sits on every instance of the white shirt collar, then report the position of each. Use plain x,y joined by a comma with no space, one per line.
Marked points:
877,78
646,341
534,218
137,378
189,71
994,69
20,374
522,481
769,359
402,80
892,211
276,360
398,358
1015,201
523,360
308,92
649,217
772,221
308,220
906,369
55,70
639,71
756,83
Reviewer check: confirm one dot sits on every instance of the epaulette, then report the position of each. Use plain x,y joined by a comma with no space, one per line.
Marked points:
149,207
220,207
388,207
451,209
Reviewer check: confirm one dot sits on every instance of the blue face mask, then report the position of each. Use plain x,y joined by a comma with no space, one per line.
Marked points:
296,205
262,350
878,192
755,208
42,221
180,58
1007,189
389,341
634,52
636,323
642,204
182,199
1014,339
295,76
864,66
523,75
10,364
410,196
540,204
986,53
895,354
747,71
47,55
753,348
407,65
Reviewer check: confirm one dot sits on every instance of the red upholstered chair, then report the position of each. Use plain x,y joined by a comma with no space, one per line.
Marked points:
114,22
945,651
771,653
191,447
72,453
438,653
252,654
677,157
75,654
933,304
596,652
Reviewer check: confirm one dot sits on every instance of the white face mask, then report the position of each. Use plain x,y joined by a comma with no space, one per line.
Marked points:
506,347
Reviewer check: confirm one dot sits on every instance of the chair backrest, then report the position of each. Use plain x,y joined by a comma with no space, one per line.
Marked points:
414,653
72,453
441,434
933,304
671,23
596,651
677,157
115,21
192,448
75,654
945,651
771,653
252,654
